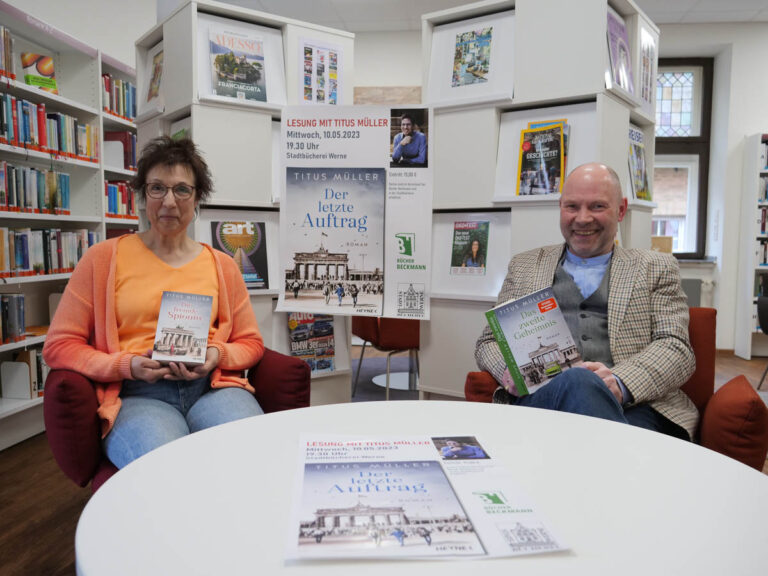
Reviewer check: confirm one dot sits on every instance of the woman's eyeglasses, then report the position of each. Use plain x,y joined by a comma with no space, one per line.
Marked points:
158,190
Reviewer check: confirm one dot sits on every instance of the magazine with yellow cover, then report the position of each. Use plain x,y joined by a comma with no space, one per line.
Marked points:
540,162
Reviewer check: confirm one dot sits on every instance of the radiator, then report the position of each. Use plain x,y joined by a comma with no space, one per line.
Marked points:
692,289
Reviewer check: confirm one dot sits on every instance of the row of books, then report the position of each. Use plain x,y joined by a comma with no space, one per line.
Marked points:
6,52
121,200
764,156
762,192
120,149
24,123
762,215
39,191
24,378
761,254
12,317
118,96
31,252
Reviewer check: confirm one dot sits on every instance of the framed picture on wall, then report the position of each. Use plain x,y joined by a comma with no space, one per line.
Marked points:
472,60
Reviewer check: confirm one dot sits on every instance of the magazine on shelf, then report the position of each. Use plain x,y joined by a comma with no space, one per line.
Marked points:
182,328
648,61
619,52
540,164
472,57
566,135
237,64
151,102
246,243
637,170
311,339
405,497
38,70
470,248
534,340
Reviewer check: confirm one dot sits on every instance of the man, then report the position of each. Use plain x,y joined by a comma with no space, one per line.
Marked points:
410,148
625,308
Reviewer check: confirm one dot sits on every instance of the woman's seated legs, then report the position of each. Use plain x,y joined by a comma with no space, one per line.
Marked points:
221,405
142,425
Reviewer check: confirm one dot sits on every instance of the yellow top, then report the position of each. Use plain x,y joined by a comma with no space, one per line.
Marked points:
140,280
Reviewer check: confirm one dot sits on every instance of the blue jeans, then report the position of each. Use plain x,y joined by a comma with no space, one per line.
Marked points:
581,391
153,414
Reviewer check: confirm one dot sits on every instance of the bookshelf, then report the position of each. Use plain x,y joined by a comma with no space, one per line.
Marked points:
78,70
753,263
483,133
240,137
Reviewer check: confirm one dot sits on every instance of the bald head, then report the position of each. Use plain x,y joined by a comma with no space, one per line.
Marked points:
595,172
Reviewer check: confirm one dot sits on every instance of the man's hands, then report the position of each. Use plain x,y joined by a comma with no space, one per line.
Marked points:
405,140
607,377
179,371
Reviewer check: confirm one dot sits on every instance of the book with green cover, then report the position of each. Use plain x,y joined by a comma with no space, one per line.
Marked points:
534,340
38,70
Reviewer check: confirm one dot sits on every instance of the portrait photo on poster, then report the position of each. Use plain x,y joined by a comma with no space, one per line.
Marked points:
409,135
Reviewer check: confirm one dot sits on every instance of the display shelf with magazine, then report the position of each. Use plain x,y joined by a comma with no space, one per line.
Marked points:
749,339
198,80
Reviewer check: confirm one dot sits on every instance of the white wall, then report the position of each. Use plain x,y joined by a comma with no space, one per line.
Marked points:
739,109
388,58
110,25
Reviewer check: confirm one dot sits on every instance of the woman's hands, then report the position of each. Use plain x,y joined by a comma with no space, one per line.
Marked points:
147,370
180,371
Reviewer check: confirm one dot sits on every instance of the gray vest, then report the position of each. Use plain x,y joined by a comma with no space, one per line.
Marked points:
586,318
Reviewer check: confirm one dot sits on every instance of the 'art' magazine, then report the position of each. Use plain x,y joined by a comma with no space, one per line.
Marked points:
534,340
405,497
237,65
182,328
246,243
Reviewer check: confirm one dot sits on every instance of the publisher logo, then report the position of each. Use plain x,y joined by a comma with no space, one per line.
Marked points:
547,305
406,243
496,498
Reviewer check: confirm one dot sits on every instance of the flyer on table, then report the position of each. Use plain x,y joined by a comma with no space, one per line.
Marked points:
401,497
353,243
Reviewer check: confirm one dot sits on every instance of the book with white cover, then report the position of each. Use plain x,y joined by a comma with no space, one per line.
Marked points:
182,328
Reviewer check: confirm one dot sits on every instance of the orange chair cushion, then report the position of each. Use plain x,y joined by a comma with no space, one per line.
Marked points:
735,423
702,330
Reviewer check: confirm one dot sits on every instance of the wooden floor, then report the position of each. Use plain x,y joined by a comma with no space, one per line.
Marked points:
39,506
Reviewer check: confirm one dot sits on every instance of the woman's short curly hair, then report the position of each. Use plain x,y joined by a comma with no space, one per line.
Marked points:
166,151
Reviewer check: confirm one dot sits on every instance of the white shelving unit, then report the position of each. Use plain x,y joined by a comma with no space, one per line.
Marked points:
237,137
560,73
78,69
749,339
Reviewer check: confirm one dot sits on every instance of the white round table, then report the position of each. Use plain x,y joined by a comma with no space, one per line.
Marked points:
626,501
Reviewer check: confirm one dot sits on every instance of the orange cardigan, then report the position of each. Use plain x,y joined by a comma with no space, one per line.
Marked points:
83,335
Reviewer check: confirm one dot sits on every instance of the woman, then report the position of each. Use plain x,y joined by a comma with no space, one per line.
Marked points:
104,327
475,258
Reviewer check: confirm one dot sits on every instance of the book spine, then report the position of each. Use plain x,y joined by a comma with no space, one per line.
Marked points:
514,371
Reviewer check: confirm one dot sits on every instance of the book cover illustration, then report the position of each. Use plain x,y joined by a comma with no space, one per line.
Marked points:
619,53
237,65
156,75
637,171
534,340
246,243
334,245
566,135
182,328
470,248
399,509
472,57
38,70
540,163
311,339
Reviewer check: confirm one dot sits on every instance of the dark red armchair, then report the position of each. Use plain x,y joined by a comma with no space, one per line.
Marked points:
74,435
734,420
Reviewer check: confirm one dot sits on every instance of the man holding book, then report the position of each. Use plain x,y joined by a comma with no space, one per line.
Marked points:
624,307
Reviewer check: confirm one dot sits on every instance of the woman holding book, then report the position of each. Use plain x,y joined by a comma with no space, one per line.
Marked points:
105,325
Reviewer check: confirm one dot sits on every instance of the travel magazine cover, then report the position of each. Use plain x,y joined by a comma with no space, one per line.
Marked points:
409,497
237,65
246,242
534,340
335,240
182,328
540,163
637,171
311,340
619,53
470,248
472,57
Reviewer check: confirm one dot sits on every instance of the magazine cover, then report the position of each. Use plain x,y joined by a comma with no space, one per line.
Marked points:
637,172
566,135
237,65
335,241
37,70
540,164
182,328
246,242
470,248
647,66
619,53
534,340
156,76
472,57
311,339
322,73
399,497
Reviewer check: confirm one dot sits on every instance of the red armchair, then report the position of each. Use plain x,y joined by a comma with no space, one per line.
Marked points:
734,420
69,408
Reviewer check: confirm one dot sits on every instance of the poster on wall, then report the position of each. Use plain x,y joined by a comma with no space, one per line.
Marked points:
355,233
320,66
